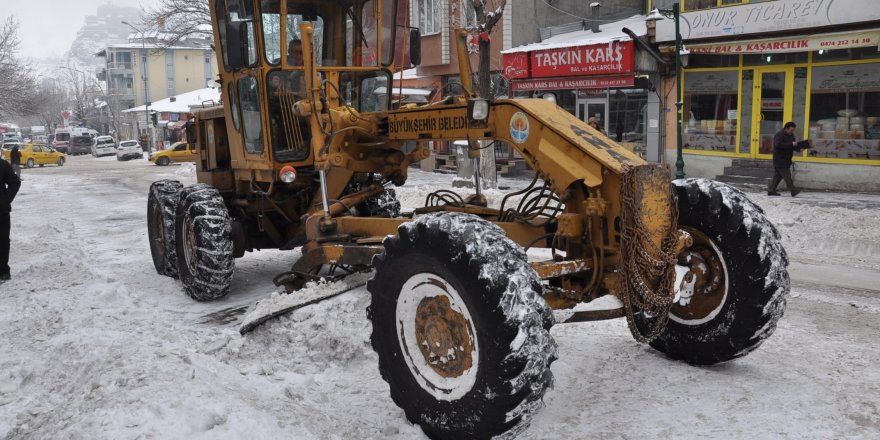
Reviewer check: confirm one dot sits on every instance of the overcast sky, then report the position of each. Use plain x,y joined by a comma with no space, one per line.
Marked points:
47,27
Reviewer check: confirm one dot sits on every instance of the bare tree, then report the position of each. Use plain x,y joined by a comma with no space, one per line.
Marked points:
85,93
487,14
17,79
49,101
178,19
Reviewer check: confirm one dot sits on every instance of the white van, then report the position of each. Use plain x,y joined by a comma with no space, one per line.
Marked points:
104,146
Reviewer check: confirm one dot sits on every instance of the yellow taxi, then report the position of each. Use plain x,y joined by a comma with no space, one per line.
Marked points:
37,154
178,152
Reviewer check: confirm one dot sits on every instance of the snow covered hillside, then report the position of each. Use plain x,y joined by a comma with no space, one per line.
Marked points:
95,344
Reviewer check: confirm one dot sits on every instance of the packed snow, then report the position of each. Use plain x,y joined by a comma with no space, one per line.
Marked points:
95,344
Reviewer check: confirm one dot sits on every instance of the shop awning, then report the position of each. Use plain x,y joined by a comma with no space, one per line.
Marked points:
803,43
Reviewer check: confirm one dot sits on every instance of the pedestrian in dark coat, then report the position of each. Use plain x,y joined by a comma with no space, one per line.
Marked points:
15,160
9,184
784,146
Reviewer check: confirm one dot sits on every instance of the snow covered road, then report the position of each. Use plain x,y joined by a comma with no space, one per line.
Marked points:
95,344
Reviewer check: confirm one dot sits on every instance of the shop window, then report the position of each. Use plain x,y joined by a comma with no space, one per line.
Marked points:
845,111
695,61
692,5
249,100
710,110
627,113
859,53
770,59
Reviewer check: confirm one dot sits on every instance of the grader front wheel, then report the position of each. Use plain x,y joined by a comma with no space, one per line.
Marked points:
460,327
733,280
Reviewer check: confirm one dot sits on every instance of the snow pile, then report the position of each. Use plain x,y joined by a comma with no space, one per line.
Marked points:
186,169
819,227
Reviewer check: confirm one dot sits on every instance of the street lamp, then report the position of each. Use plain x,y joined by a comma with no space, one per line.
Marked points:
144,76
675,15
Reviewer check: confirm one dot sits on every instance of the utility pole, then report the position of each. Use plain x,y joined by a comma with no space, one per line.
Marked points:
679,161
146,95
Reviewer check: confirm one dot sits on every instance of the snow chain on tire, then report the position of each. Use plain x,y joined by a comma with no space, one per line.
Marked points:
751,267
161,209
205,258
461,327
644,263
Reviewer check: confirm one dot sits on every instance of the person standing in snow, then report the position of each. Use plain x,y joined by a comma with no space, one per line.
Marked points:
9,184
15,160
784,146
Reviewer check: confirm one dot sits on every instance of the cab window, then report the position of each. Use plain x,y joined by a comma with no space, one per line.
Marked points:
298,13
249,101
36,149
289,134
180,147
367,92
238,37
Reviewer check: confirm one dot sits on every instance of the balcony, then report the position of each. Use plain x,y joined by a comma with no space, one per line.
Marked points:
119,66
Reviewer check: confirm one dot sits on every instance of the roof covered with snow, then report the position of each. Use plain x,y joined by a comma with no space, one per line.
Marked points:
183,102
607,33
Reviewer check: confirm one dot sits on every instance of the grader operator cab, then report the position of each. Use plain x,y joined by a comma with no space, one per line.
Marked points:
303,153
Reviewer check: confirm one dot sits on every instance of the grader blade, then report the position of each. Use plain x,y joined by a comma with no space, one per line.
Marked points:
282,304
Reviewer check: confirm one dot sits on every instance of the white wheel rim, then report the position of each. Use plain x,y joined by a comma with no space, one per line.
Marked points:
679,283
418,290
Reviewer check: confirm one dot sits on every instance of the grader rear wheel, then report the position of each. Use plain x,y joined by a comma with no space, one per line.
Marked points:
460,327
203,229
161,208
733,282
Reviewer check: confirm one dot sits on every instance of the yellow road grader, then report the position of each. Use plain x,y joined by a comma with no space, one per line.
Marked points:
303,154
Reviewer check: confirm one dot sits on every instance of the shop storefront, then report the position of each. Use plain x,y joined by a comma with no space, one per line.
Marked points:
753,67
736,106
597,76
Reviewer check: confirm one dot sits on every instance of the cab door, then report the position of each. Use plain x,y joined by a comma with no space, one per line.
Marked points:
38,155
191,154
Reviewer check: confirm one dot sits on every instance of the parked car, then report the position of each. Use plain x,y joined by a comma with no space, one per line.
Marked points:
8,144
38,154
104,146
81,145
129,150
179,152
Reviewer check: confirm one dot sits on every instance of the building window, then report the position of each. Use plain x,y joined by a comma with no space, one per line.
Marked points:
429,16
468,14
693,5
710,110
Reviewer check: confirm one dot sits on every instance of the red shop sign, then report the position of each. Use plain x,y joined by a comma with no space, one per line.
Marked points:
586,82
516,65
596,59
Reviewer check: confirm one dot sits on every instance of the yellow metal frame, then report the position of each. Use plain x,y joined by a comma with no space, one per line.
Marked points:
789,100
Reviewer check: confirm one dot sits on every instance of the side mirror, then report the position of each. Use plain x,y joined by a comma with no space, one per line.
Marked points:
415,47
190,134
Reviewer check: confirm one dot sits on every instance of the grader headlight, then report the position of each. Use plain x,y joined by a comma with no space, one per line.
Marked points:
287,174
478,109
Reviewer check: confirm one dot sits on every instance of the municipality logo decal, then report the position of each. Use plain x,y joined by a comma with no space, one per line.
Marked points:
519,127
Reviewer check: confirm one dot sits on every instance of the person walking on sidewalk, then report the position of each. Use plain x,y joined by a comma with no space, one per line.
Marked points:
15,160
784,146
9,184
